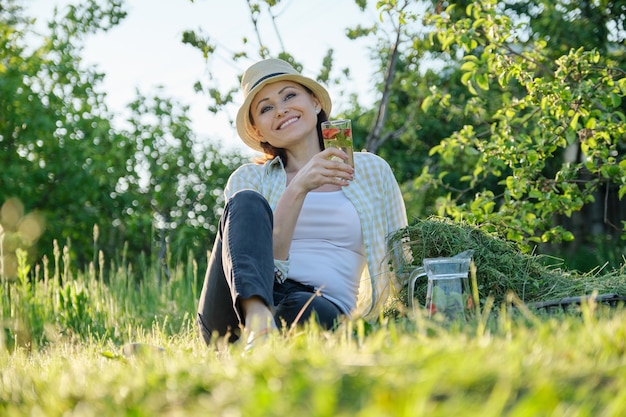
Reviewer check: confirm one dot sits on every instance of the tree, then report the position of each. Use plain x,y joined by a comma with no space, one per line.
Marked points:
66,167
56,142
180,180
546,109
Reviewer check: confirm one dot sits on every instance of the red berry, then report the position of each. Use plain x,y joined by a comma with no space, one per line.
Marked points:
330,133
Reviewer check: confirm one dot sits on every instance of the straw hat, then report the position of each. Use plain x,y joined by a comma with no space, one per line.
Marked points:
263,73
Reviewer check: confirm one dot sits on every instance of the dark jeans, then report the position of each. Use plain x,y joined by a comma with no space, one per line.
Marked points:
241,266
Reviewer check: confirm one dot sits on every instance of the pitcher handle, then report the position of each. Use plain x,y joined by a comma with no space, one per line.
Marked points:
415,275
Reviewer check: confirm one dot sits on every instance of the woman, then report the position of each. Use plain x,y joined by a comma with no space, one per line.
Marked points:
301,235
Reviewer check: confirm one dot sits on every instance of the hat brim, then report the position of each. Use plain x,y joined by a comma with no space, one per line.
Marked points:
244,124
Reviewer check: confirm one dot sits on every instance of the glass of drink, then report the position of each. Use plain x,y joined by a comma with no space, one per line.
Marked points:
338,134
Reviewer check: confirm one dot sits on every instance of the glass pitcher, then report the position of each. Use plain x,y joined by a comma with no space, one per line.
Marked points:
448,291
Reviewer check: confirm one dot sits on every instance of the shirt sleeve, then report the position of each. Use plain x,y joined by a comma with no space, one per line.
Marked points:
246,177
399,250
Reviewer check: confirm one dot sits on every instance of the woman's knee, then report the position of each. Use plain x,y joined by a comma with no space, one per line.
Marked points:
247,206
248,198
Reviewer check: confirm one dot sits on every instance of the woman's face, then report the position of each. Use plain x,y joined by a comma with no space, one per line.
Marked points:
283,113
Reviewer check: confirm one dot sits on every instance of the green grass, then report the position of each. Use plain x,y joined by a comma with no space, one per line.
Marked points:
566,366
65,334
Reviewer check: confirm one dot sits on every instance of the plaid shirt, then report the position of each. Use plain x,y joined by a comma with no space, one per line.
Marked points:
378,201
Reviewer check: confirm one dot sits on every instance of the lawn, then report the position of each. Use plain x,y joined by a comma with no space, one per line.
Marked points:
84,343
512,364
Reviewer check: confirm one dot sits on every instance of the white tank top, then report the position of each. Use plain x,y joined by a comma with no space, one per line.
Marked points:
327,248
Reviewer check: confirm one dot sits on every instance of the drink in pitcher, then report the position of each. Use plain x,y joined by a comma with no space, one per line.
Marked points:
448,293
338,134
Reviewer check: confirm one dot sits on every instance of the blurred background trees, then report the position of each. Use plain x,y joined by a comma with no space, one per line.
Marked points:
508,114
153,190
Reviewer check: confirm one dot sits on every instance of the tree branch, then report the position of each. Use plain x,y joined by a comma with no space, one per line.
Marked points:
373,141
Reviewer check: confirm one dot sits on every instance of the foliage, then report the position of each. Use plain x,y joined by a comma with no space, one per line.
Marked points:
488,113
55,137
572,104
178,178
67,170
588,24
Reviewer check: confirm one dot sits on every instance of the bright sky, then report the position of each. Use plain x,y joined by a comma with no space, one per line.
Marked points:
146,51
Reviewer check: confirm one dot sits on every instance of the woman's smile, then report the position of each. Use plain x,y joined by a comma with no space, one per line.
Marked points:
288,122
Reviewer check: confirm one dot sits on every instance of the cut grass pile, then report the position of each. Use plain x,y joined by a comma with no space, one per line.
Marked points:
501,266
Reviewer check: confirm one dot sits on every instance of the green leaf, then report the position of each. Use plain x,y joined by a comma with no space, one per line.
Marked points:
466,77
468,66
622,85
536,194
445,39
616,100
482,80
511,184
590,123
574,122
426,103
570,135
470,88
514,235
470,150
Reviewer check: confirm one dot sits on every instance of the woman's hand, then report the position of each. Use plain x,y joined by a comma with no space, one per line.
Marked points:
326,167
